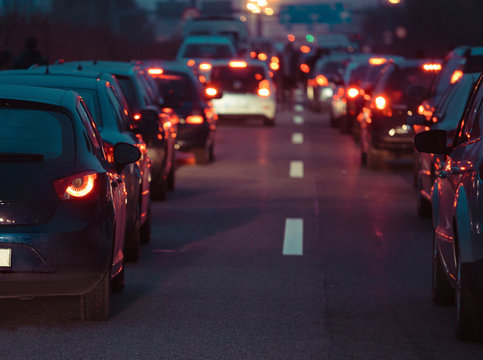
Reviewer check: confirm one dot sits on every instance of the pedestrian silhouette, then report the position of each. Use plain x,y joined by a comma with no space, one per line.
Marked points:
30,56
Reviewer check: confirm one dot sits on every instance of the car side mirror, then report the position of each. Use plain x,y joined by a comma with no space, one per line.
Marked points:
433,142
124,154
212,91
416,119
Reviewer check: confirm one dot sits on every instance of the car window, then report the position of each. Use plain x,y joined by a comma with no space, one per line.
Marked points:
176,86
241,80
117,109
91,129
209,51
36,131
130,92
474,111
455,101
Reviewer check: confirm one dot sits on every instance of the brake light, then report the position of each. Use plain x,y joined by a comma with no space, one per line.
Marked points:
305,68
321,80
253,54
432,67
275,59
264,88
137,116
352,93
274,66
420,109
155,71
262,57
194,119
190,62
75,186
380,102
238,64
211,91
305,49
377,61
109,151
458,74
205,66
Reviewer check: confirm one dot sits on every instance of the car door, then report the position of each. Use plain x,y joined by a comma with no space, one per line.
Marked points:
458,175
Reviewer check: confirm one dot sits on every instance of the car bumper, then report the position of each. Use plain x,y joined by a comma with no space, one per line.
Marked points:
60,263
246,105
192,136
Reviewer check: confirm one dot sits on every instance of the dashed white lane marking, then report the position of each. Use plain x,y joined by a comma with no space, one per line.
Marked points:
297,138
297,169
298,119
5,257
299,108
293,239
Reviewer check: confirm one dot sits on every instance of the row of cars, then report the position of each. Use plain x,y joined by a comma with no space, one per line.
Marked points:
394,105
84,148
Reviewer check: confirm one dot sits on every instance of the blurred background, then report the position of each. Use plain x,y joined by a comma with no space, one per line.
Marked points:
128,29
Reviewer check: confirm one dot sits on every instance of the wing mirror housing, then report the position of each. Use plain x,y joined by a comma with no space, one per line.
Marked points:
125,154
432,141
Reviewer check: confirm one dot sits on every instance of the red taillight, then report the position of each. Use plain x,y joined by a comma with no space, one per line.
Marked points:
194,119
205,66
109,150
432,67
274,66
380,102
262,57
352,93
237,64
211,91
75,186
137,116
190,62
305,68
377,61
305,49
458,74
321,80
420,109
264,88
154,72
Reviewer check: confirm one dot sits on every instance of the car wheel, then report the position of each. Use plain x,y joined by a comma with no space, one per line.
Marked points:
423,204
374,158
160,189
201,155
363,158
95,305
132,245
146,228
212,152
442,291
269,122
467,307
117,284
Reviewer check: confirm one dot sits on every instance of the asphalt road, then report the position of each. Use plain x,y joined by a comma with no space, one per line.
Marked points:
283,248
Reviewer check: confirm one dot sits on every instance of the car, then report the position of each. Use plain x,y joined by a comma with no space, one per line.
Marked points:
457,260
199,49
182,91
446,117
114,127
398,92
143,103
247,88
62,208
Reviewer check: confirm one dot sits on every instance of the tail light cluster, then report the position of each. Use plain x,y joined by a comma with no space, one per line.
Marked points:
264,88
109,151
457,75
352,92
194,119
75,186
322,80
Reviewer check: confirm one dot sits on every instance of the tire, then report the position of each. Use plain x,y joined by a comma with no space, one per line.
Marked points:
132,245
159,189
145,231
212,152
423,204
442,292
269,122
374,159
171,179
363,158
467,307
96,304
117,284
201,155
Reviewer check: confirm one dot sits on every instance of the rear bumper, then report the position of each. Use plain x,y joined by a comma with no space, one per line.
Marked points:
245,105
60,263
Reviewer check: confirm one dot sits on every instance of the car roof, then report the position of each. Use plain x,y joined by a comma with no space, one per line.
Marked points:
54,79
212,39
114,67
36,94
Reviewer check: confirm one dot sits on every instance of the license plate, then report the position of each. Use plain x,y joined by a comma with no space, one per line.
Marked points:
5,257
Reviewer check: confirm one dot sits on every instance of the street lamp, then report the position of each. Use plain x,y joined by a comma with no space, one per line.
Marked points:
259,7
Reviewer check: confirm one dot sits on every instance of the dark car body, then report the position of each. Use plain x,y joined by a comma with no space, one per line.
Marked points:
184,93
114,127
62,208
142,100
384,130
457,217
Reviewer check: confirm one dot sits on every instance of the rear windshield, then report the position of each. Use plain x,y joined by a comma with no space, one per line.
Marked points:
176,86
208,51
401,80
92,101
27,131
240,80
129,91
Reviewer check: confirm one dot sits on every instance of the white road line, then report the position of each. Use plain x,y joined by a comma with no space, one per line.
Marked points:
298,119
293,239
297,138
297,169
299,108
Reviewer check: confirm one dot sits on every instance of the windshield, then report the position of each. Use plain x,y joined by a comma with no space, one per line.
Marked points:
240,80
177,86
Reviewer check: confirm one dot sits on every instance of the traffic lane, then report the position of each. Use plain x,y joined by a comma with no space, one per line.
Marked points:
213,283
377,261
